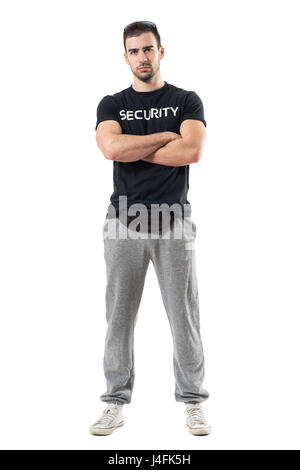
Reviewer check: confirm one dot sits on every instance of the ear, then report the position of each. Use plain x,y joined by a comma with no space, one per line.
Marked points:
162,52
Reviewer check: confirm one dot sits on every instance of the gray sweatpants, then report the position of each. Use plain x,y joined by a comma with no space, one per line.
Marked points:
127,260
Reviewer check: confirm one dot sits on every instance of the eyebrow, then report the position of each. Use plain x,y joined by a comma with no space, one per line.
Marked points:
146,47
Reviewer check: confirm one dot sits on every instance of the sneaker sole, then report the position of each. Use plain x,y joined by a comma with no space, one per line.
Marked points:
199,431
104,431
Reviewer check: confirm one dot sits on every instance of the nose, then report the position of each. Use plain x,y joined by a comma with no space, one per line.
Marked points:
143,59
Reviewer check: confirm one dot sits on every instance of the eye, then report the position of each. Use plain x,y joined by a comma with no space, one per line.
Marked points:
147,49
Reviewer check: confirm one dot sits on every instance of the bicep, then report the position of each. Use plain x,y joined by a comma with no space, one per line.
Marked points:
106,131
193,132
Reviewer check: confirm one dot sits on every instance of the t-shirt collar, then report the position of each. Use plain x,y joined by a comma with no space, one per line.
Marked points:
148,93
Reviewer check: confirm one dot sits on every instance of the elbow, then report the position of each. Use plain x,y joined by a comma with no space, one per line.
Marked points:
109,156
112,152
106,149
197,155
108,153
195,158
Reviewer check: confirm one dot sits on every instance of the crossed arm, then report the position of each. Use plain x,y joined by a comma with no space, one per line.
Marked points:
186,149
163,148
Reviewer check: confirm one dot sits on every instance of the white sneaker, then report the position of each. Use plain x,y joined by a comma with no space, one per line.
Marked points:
195,420
111,419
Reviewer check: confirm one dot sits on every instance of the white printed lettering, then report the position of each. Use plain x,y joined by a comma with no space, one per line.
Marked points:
153,113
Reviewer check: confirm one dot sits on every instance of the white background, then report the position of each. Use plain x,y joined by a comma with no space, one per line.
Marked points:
58,59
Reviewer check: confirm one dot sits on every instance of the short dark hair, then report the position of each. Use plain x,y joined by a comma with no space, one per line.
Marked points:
137,28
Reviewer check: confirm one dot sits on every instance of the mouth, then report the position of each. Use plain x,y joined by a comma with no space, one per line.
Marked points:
144,68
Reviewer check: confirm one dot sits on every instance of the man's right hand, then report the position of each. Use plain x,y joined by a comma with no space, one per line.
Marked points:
171,136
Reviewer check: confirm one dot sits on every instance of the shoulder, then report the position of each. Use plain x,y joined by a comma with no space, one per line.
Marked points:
107,100
188,97
175,90
114,98
182,91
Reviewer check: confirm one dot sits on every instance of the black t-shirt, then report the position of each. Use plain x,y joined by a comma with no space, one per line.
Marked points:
142,113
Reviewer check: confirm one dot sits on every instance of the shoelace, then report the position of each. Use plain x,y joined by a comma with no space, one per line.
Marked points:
196,415
107,415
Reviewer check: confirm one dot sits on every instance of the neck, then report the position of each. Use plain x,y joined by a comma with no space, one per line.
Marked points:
152,85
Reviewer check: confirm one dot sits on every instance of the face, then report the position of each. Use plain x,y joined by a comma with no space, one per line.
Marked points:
142,51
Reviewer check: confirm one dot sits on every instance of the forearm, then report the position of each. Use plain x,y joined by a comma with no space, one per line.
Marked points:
176,153
129,148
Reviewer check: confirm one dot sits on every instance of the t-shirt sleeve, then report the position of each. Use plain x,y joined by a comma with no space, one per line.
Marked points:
107,110
193,108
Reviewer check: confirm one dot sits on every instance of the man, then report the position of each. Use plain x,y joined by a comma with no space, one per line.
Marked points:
152,131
